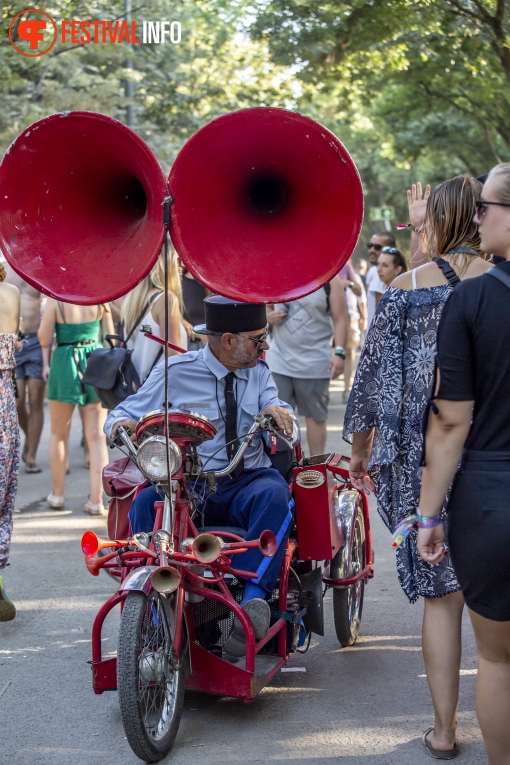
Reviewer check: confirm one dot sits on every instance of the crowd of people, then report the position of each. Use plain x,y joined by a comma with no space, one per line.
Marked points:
443,497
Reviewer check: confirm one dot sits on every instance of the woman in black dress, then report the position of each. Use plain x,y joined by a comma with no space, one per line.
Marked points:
471,419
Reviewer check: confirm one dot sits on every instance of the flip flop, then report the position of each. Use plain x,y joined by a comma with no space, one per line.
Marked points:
438,754
31,467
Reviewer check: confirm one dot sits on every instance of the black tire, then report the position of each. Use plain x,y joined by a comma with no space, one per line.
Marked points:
151,691
348,601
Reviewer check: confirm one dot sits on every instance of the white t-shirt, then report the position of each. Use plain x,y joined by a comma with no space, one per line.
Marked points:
373,285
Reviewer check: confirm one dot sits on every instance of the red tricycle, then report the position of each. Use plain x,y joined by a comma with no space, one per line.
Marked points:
180,591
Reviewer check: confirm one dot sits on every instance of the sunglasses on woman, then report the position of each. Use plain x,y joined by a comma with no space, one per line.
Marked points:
481,207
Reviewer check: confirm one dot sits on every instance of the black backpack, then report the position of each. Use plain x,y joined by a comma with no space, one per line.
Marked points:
111,370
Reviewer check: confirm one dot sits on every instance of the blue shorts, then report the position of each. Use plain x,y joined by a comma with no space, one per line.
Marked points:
29,361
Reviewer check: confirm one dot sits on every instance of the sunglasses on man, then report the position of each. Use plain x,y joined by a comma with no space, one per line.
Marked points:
374,246
259,340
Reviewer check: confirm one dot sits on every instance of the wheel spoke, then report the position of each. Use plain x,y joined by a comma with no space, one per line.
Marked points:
152,687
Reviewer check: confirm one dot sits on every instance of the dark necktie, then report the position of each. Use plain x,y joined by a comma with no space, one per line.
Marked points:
231,422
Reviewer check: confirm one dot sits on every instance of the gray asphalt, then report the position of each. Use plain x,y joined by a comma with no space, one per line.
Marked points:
364,705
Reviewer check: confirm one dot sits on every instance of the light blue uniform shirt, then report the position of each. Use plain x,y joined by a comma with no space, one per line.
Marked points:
196,381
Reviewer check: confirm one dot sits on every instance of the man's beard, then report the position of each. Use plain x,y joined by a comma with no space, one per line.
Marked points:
244,357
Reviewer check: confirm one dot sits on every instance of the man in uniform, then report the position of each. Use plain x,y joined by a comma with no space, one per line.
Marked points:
228,383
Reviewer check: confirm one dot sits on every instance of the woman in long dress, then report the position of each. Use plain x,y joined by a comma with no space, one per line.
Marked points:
384,419
9,429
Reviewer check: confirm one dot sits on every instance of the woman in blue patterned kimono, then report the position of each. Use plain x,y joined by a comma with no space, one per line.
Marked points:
384,418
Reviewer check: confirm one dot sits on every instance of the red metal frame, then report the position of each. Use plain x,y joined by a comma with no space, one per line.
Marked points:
211,673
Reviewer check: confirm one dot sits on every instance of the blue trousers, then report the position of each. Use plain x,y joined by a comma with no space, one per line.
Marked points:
258,500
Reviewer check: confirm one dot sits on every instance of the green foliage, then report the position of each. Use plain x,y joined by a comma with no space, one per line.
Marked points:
177,88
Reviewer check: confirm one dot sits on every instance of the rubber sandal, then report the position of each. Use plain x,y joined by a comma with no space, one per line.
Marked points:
7,607
438,754
55,502
93,509
32,467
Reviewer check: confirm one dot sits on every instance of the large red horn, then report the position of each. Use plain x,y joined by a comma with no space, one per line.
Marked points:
80,207
267,205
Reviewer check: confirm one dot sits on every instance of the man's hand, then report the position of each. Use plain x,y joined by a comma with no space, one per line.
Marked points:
336,367
282,418
430,543
131,424
417,203
276,317
358,474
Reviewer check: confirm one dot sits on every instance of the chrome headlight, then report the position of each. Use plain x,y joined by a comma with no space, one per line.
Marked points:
151,458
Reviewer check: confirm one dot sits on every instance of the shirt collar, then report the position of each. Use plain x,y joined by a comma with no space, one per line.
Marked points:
217,368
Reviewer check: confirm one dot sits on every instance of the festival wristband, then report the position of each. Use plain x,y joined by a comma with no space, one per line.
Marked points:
405,527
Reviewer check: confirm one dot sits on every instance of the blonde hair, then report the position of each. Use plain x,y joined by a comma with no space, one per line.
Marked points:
449,223
134,302
502,172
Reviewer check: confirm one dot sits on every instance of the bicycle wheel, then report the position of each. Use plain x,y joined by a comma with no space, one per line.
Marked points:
150,679
348,601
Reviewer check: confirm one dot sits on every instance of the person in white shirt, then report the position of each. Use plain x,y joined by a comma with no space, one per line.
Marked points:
374,286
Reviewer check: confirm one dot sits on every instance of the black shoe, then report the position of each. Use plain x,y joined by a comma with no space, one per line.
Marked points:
259,613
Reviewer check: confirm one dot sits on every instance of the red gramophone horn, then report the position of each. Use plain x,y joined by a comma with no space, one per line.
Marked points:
80,207
267,207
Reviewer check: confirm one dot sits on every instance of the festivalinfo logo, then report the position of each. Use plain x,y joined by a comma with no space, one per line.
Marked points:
34,32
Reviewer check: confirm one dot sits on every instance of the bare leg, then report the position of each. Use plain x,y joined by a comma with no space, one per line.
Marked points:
60,416
35,418
441,645
93,420
493,686
316,433
21,406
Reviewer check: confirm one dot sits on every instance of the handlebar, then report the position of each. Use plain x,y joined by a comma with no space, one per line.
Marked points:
262,422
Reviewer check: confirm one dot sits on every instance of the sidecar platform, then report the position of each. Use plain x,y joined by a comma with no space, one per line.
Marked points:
228,676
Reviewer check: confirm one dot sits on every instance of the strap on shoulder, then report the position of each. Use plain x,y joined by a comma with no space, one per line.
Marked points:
500,275
142,314
448,271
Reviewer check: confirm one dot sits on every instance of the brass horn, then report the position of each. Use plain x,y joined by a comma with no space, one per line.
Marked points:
206,547
166,579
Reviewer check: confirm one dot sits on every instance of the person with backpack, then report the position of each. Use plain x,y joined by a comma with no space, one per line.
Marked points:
469,424
383,420
301,357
